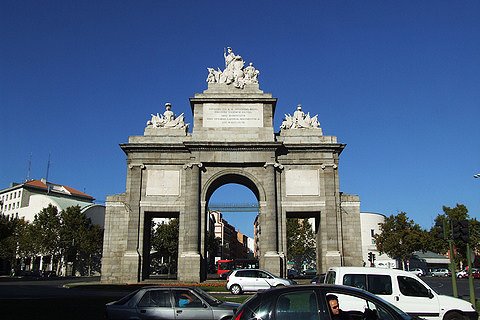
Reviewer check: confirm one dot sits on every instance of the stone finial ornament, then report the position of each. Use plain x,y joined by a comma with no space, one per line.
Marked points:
300,120
167,120
234,73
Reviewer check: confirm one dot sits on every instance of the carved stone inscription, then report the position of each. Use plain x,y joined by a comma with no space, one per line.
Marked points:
163,182
302,183
241,115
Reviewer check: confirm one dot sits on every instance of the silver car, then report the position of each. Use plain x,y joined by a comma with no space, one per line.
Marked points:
442,272
170,303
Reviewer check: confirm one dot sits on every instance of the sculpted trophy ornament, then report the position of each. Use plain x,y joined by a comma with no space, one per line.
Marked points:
167,119
234,73
300,120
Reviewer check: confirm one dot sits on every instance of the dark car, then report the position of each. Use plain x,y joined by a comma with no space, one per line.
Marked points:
292,274
309,273
310,302
318,279
170,303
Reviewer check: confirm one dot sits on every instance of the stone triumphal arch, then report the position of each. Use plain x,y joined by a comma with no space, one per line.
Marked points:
173,173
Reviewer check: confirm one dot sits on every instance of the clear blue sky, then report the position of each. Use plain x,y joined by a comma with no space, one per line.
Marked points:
397,81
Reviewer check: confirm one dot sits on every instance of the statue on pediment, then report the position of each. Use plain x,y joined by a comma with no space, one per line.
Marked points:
300,120
234,73
167,119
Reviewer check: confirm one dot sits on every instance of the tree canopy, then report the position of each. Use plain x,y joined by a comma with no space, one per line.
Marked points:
67,235
301,242
400,237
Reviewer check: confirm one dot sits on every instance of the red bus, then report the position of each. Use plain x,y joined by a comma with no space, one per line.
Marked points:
224,266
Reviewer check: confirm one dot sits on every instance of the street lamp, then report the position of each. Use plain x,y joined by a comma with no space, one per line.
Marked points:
476,176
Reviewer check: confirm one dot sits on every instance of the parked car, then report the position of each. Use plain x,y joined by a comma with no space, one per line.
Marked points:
170,303
404,290
244,280
318,279
464,273
309,273
418,272
442,272
292,274
310,302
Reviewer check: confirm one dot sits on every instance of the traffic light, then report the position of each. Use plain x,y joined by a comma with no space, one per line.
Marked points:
371,258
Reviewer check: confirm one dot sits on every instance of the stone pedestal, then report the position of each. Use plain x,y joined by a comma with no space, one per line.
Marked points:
130,267
189,267
333,259
273,262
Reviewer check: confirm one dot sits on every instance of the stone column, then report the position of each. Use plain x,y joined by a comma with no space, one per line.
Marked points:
269,241
332,256
281,221
131,264
189,258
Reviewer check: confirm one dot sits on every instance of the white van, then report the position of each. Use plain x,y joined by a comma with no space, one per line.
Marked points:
404,290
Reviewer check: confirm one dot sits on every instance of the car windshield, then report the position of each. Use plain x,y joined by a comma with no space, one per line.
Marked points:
205,296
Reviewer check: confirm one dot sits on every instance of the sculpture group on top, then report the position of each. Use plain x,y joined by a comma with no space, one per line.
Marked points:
234,73
167,120
300,120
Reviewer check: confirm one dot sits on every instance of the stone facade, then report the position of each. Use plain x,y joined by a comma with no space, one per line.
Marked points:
172,173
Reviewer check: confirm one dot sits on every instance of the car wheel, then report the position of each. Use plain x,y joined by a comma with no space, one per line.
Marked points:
235,289
453,316
279,285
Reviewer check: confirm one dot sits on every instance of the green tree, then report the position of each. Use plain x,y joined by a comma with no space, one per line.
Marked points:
17,239
26,238
300,242
8,239
400,236
165,241
47,232
80,241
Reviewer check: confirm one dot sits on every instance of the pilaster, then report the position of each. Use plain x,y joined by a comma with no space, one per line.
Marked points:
189,258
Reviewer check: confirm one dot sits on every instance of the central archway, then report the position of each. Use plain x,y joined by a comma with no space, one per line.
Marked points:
213,184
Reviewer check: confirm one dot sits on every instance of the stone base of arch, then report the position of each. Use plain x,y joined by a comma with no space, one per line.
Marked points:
188,266
273,262
333,259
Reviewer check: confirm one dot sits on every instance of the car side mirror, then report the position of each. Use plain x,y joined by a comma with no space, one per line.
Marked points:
204,305
430,294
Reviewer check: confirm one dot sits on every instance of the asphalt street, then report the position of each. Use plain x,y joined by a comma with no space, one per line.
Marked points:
52,299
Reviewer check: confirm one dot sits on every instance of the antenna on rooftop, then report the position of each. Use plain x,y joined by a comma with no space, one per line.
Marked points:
29,167
48,166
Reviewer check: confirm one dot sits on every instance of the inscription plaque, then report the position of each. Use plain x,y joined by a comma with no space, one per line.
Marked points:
234,115
163,182
302,183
